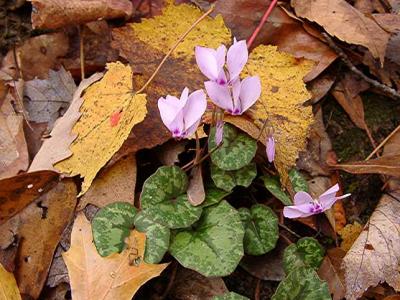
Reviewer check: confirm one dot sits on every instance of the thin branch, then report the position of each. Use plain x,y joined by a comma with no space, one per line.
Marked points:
383,142
81,51
387,90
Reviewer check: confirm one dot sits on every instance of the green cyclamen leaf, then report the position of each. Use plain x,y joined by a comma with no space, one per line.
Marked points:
273,185
261,229
230,296
302,283
227,180
111,225
307,252
237,150
157,238
213,196
165,201
298,181
214,246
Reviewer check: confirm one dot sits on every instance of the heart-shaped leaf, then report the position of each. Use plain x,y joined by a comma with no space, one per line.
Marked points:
214,246
261,229
230,296
298,182
164,198
111,226
157,238
237,150
273,185
307,252
302,283
227,180
213,196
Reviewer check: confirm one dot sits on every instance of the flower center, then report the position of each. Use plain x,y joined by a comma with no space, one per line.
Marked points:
316,208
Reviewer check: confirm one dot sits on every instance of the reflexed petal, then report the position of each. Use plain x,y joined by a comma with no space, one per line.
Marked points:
250,91
184,96
206,59
236,58
169,108
302,198
237,106
221,53
329,193
177,126
220,95
195,107
327,202
191,130
298,211
270,149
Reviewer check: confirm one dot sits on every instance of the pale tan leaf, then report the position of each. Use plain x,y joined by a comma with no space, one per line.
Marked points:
196,193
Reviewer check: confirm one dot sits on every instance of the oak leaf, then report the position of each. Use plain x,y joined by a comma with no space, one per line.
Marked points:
117,276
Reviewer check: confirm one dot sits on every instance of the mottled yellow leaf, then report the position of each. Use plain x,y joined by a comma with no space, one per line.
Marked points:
8,286
281,102
117,276
109,111
349,234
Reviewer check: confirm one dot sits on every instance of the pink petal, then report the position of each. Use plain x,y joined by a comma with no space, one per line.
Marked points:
177,126
191,130
270,149
298,211
220,56
302,198
169,108
195,107
327,202
184,96
250,91
237,106
207,61
219,132
236,58
220,95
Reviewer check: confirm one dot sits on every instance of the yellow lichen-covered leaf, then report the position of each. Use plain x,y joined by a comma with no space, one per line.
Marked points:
349,234
8,286
163,31
117,276
281,102
109,111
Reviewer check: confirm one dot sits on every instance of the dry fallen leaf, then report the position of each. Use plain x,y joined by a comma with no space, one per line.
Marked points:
45,100
331,272
117,276
56,147
8,286
115,183
19,191
52,14
349,234
109,112
195,192
40,229
342,20
168,153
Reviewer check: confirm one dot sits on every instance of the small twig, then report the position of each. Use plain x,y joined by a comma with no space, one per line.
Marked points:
81,52
382,87
289,230
383,143
192,163
173,48
257,290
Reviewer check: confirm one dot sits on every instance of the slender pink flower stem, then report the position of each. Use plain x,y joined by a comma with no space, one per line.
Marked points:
263,20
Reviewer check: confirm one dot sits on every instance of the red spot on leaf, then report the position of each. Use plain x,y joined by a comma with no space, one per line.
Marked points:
114,118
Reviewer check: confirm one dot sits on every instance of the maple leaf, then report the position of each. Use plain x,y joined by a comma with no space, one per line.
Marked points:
117,276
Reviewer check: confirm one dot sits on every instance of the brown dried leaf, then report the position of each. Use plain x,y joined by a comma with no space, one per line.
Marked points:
19,191
342,20
115,183
46,100
56,147
331,272
195,192
168,153
319,87
52,14
41,226
389,22
36,56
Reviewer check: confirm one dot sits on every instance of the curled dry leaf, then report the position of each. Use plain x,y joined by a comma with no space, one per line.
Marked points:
46,99
52,14
342,20
19,191
114,183
117,276
168,153
195,192
56,147
99,132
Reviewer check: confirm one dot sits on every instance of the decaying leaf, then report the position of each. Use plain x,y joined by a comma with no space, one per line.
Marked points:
281,103
56,147
40,229
99,134
168,153
19,191
145,44
8,286
375,255
52,14
195,192
46,99
118,276
345,22
349,235
331,272
115,183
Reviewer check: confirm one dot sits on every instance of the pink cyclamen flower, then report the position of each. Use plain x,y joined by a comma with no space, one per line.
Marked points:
305,205
219,132
270,148
182,116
